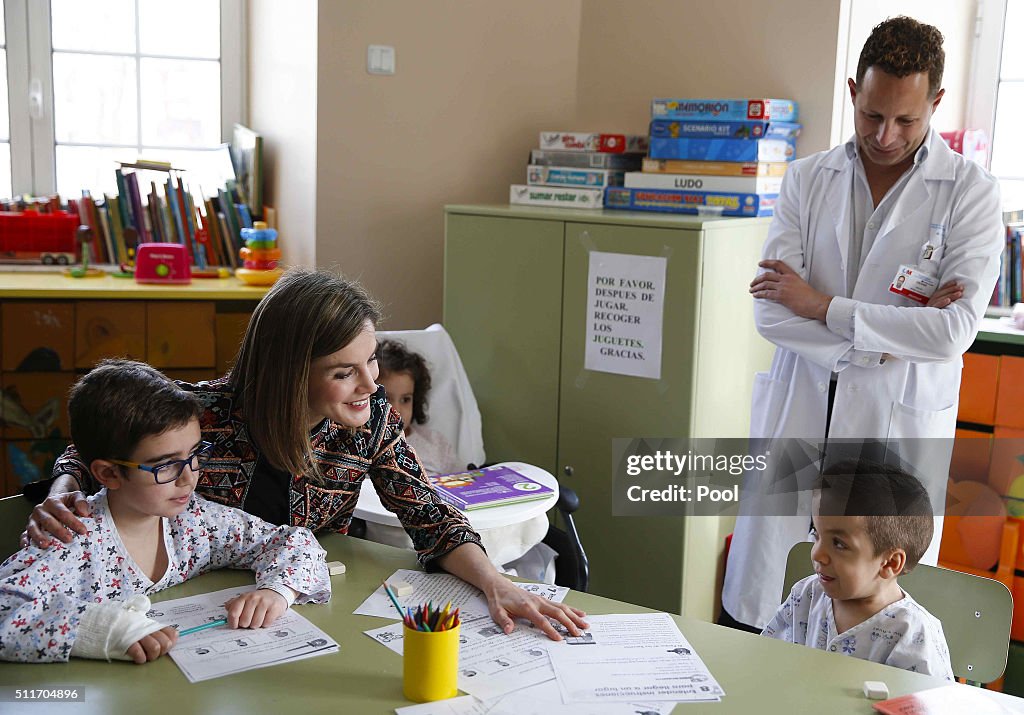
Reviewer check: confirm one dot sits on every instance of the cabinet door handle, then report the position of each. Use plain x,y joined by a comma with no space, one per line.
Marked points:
568,470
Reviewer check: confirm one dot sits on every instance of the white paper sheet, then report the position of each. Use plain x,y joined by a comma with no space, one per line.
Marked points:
609,673
491,663
441,588
546,699
625,313
644,636
221,651
463,705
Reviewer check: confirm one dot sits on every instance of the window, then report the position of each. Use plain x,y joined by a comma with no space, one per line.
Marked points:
997,93
5,121
116,80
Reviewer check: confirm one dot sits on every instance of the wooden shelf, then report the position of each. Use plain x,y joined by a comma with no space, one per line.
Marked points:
56,285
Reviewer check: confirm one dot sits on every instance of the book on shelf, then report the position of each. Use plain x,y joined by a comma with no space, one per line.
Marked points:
487,487
247,159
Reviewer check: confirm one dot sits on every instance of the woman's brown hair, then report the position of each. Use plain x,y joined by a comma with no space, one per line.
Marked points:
306,315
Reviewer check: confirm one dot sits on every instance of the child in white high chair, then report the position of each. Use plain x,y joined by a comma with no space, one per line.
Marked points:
406,380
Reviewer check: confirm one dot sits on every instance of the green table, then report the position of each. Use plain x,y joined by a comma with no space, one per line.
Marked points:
758,674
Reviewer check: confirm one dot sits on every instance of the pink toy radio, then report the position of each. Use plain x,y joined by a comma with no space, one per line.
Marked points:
162,263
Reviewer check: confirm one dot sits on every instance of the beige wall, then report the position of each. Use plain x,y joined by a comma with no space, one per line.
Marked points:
474,84
282,107
631,52
954,18
360,166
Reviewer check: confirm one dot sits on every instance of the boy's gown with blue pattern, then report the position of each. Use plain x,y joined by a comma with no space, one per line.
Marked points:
903,634
43,593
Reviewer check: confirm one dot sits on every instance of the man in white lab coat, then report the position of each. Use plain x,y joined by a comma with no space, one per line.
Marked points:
854,358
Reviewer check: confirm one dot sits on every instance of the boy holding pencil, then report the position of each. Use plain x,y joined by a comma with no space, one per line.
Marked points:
139,433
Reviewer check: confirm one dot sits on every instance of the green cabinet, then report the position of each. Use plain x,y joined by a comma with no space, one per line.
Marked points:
515,303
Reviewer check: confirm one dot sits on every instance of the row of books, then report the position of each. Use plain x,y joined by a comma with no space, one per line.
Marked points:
208,228
1009,288
713,156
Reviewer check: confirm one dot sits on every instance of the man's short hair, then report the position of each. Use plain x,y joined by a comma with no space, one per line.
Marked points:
895,505
121,402
903,46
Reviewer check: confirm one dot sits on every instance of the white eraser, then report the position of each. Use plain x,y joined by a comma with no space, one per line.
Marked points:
335,567
401,588
875,690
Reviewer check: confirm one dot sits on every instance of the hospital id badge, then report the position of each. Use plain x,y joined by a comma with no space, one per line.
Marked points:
911,282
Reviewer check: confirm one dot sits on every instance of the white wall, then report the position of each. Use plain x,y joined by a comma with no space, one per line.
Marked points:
475,82
631,52
360,166
282,107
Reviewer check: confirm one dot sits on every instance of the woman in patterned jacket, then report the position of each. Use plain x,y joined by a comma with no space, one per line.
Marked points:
297,425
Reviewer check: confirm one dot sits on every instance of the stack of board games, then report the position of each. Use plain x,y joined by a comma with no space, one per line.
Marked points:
712,156
572,169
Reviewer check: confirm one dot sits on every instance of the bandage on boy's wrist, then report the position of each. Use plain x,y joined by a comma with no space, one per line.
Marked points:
285,592
106,630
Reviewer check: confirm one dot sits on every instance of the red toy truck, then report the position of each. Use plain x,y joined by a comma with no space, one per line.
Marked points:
32,237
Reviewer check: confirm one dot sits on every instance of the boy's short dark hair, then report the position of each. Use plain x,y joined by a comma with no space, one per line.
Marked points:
392,356
903,46
895,505
121,402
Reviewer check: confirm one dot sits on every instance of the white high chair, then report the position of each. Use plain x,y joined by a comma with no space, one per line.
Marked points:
508,532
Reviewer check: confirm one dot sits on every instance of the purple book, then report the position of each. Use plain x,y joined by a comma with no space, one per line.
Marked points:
491,486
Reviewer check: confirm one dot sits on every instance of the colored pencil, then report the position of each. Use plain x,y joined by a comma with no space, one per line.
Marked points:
196,629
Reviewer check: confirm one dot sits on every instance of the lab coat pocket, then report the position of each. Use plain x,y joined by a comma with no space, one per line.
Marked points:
766,405
908,422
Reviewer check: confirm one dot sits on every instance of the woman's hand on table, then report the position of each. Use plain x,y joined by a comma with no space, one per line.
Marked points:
507,602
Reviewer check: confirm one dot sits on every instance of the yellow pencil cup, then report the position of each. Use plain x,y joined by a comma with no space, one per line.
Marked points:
430,666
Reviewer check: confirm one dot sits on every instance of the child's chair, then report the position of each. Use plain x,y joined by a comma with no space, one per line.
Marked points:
14,513
975,612
453,412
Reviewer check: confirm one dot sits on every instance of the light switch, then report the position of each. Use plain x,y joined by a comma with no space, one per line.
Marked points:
380,59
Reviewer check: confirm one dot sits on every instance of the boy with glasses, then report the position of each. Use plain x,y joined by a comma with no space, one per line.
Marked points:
139,434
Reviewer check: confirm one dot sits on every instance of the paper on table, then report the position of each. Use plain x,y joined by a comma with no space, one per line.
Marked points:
441,588
615,673
546,699
490,663
464,705
642,634
222,651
